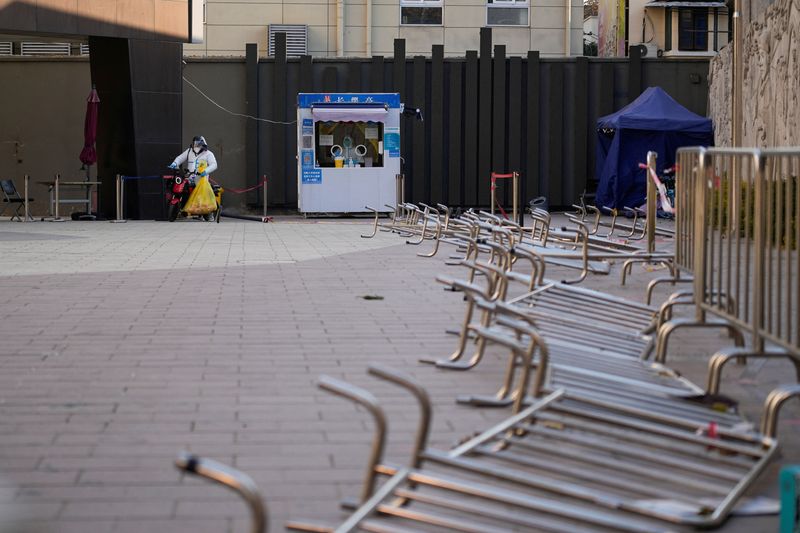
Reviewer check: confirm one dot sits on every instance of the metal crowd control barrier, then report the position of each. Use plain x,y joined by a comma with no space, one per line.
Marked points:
651,212
687,161
229,477
399,209
514,177
119,193
25,187
572,248
635,232
566,462
738,233
119,186
56,183
595,348
400,189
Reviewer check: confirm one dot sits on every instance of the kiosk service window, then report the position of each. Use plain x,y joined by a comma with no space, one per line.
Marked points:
348,144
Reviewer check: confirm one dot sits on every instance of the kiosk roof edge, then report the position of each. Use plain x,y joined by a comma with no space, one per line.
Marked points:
390,100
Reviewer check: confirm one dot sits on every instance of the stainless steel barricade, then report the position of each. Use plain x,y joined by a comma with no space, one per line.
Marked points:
738,233
566,462
687,161
235,480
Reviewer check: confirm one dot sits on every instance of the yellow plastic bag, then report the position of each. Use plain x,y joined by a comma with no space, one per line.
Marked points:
202,200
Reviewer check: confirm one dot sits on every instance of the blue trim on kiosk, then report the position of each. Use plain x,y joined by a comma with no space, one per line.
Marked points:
308,100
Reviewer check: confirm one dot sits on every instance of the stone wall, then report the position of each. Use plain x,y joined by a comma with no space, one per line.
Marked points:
771,52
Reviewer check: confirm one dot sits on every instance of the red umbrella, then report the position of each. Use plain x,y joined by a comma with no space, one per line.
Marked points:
89,154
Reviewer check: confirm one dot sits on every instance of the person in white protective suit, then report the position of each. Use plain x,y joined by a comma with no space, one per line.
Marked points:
197,157
200,161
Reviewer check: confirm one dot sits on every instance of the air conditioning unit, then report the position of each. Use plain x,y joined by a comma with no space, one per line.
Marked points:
649,49
296,38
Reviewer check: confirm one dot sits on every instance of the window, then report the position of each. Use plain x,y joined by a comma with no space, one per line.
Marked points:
693,30
507,12
356,141
421,12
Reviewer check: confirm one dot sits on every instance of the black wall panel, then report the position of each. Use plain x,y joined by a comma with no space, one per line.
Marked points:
139,127
482,112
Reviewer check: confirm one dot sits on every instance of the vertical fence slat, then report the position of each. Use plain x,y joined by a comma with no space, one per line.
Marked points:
306,84
499,143
785,245
741,220
515,123
399,86
729,237
698,233
531,177
471,130
354,76
795,173
577,183
251,128
771,238
634,73
716,286
399,68
605,90
758,252
555,170
290,133
376,74
792,224
749,206
485,117
787,311
420,188
436,173
605,101
278,186
455,131
330,80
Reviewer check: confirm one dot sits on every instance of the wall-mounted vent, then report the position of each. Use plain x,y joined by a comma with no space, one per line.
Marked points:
6,49
84,49
44,49
296,38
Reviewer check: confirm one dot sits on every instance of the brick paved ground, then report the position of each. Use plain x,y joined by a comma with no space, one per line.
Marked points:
122,344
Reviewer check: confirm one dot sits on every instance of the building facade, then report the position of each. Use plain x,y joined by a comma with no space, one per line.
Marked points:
363,28
663,28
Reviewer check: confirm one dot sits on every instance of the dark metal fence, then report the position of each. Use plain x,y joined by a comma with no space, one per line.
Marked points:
483,112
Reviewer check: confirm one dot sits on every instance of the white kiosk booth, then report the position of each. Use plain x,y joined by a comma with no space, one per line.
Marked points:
348,151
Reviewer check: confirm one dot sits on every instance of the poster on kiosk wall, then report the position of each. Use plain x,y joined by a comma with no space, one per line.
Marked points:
348,152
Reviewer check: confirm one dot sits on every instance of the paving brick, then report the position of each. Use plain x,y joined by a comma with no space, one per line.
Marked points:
69,526
119,509
181,525
107,373
30,510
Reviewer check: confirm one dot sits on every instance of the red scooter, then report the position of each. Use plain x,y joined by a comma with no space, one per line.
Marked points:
180,188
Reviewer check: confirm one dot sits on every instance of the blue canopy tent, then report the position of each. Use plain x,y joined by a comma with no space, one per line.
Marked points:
654,121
